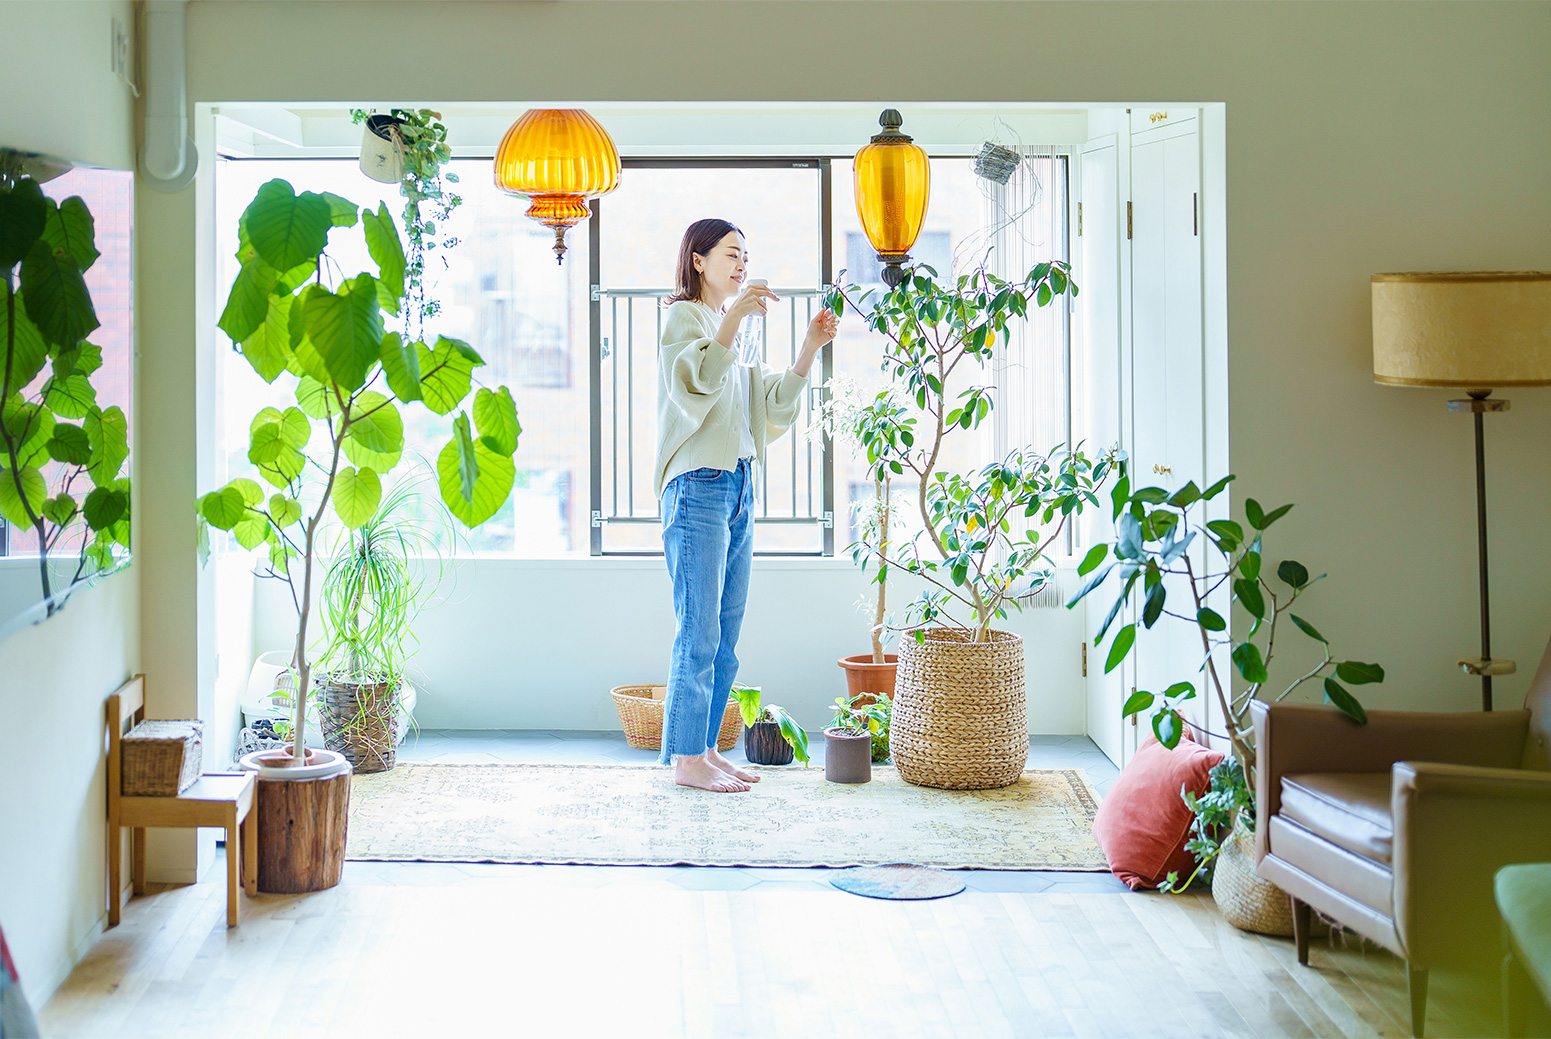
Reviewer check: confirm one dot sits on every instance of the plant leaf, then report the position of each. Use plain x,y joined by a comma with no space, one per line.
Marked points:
495,416
1165,726
1118,649
1153,608
107,431
491,487
70,229
284,511
1248,593
268,348
1210,619
1356,672
1293,573
1307,628
23,350
346,327
382,242
103,507
20,490
1246,657
287,229
56,296
401,367
1094,557
356,495
69,444
1345,702
24,213
1138,701
445,375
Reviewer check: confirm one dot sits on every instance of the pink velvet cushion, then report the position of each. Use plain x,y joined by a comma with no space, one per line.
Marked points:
1142,825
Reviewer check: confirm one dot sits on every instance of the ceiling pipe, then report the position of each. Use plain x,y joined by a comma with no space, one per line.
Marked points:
168,158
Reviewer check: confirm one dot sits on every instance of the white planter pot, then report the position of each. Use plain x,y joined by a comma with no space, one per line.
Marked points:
382,151
324,764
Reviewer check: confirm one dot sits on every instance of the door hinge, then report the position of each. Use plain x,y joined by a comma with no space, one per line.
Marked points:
1195,214
1079,220
829,519
1128,219
1085,660
597,518
597,293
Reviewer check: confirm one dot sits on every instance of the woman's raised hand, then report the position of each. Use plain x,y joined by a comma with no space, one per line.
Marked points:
821,329
752,300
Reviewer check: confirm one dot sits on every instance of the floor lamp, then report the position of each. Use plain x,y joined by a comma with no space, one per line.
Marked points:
1477,330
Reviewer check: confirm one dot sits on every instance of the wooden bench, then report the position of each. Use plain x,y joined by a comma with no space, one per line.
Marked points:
218,799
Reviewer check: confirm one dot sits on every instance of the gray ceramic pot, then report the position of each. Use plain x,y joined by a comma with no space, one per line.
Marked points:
847,759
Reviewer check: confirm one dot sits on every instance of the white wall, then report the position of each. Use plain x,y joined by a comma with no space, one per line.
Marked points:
62,99
539,643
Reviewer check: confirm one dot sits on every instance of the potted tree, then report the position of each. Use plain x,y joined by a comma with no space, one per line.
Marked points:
350,379
771,736
878,424
369,600
61,451
1155,530
409,147
960,713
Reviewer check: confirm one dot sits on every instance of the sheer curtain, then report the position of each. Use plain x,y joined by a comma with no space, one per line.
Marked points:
1026,222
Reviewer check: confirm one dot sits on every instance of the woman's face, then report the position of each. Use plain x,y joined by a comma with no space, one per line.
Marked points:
722,270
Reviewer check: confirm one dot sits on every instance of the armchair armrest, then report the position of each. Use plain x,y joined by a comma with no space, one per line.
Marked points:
1455,827
1296,738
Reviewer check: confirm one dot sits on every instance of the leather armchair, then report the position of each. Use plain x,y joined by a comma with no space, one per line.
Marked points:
1396,828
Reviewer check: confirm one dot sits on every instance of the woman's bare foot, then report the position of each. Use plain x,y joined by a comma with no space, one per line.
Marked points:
714,756
701,774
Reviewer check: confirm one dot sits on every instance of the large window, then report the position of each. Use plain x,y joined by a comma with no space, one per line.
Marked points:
577,341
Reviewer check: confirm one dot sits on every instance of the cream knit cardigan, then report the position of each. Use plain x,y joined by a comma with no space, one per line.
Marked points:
698,411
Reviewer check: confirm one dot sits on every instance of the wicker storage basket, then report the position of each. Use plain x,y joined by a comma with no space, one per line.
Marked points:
162,758
360,722
640,714
1247,901
960,716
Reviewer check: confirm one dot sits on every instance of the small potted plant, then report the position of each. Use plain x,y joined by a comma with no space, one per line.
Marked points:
771,736
1150,555
369,600
848,742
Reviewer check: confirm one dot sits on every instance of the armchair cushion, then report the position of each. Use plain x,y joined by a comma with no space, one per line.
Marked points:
1349,809
1143,823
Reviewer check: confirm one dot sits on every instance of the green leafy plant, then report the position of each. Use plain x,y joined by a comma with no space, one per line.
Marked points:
1224,812
61,452
1151,557
869,714
986,533
422,138
350,380
753,709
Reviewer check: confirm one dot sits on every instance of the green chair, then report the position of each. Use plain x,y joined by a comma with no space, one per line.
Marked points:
1524,900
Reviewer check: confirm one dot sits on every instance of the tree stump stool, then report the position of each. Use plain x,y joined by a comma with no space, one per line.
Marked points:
301,833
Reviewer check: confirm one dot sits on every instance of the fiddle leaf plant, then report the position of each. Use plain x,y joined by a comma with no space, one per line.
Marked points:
1154,531
983,536
61,451
330,450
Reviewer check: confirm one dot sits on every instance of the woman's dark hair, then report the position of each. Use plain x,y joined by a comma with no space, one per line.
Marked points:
701,237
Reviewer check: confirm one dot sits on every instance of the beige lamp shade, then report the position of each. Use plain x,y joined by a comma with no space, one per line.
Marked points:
1473,329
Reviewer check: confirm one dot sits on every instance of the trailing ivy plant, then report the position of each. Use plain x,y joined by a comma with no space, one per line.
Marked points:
423,141
61,451
986,533
350,380
1151,556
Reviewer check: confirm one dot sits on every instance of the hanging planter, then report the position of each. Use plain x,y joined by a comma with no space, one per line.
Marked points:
382,149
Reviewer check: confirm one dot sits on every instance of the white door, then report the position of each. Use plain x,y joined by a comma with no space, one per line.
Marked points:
1099,403
1168,416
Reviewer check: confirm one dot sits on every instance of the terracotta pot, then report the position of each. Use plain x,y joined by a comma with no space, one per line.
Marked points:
863,676
763,744
847,758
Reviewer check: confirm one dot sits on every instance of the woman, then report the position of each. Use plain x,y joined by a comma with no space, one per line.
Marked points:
714,417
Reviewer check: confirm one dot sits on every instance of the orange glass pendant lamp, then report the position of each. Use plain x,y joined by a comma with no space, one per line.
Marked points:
557,158
893,181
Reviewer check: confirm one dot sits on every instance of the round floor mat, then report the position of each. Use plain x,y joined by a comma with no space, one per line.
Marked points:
898,880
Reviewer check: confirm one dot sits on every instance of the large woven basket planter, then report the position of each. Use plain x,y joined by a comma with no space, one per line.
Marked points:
640,715
1247,900
960,718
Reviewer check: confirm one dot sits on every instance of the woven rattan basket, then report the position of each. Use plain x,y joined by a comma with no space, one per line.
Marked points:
640,714
162,758
960,718
1248,901
360,722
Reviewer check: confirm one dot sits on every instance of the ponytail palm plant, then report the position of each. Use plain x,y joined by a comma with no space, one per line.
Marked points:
324,336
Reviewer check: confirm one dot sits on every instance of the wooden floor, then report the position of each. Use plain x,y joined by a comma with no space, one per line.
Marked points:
531,952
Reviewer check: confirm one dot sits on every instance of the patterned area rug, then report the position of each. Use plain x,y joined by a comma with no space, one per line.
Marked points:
635,815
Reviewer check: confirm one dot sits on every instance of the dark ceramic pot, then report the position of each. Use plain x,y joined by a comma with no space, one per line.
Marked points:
764,745
847,758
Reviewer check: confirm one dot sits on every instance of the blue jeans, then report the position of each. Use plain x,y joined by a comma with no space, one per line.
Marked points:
708,540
